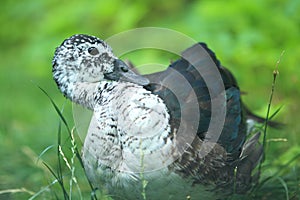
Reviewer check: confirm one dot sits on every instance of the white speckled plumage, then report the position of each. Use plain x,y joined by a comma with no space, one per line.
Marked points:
77,72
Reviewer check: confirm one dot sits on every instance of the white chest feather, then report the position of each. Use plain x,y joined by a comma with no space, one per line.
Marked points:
129,133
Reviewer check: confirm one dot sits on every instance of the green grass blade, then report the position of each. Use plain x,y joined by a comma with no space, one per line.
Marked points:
43,152
275,74
59,177
66,196
283,183
276,112
44,189
56,109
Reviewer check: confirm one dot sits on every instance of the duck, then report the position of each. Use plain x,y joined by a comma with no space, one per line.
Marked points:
180,133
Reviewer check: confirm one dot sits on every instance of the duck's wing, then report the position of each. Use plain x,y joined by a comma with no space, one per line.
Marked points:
200,81
241,154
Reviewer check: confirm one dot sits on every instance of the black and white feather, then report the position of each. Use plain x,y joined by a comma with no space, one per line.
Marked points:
133,135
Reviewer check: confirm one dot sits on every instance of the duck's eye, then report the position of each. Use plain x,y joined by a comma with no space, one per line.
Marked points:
93,51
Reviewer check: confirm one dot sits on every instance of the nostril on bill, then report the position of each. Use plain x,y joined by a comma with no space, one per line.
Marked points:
124,68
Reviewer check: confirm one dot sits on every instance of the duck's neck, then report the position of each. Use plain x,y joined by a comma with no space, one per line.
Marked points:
84,93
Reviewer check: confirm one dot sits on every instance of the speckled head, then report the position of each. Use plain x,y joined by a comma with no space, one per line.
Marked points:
87,59
81,58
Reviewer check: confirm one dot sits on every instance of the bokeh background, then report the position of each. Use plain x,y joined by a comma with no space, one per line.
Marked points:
247,36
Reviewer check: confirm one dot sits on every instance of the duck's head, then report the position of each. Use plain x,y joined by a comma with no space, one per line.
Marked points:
87,59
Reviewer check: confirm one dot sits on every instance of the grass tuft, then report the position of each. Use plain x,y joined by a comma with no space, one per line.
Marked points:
275,74
268,186
64,161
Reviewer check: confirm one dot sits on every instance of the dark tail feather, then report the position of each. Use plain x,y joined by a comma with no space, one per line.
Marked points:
258,119
250,156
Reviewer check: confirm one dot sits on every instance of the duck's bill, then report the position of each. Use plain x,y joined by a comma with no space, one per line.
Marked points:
123,73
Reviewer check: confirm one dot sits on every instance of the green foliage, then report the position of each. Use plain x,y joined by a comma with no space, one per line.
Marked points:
247,36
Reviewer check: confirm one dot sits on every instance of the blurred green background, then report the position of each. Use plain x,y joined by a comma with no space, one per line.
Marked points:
247,36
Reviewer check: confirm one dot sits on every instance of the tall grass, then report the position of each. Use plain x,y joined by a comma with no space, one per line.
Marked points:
278,187
66,181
